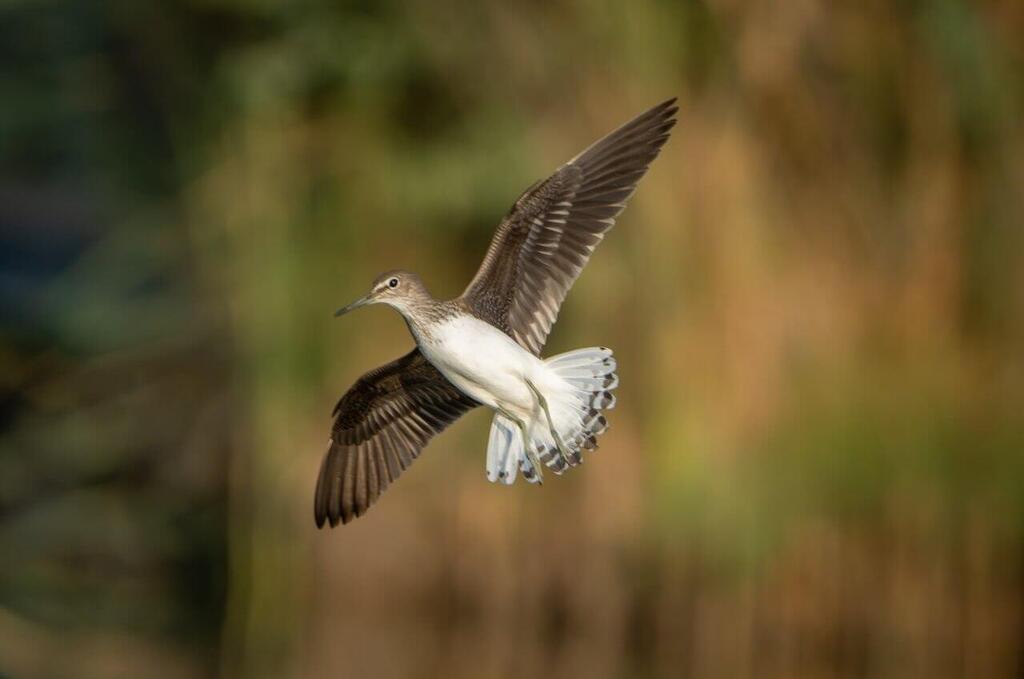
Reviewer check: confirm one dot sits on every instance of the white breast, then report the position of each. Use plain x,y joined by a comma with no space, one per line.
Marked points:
483,362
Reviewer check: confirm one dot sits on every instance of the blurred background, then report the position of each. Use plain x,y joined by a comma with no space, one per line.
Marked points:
816,468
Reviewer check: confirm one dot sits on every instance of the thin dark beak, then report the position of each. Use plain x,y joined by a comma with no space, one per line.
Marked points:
362,301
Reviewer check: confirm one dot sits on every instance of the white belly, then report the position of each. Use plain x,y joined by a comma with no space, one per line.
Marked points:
484,363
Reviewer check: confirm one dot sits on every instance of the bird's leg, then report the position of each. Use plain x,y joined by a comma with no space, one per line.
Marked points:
562,448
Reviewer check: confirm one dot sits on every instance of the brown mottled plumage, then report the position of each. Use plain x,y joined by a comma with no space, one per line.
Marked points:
381,425
551,231
388,416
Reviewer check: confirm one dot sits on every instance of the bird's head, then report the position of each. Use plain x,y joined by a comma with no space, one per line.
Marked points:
395,288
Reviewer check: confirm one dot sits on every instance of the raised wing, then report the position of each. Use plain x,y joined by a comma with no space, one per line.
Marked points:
547,237
381,424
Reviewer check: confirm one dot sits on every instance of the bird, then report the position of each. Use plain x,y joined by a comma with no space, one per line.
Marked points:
483,347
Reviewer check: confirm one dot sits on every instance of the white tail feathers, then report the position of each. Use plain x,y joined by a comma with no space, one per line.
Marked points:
504,450
577,386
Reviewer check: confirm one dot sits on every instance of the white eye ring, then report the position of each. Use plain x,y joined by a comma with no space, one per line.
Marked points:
393,283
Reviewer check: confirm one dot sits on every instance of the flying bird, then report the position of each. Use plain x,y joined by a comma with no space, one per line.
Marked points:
483,347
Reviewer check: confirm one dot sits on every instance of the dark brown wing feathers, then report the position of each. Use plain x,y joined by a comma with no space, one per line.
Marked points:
549,234
387,417
381,424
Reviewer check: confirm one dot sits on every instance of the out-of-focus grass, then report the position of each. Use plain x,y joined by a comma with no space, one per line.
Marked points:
816,299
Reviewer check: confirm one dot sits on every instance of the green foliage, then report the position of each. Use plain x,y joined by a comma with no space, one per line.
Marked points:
815,297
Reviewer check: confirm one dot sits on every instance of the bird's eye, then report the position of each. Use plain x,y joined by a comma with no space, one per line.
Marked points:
393,283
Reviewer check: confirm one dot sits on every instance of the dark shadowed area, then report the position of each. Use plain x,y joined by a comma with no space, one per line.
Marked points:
816,299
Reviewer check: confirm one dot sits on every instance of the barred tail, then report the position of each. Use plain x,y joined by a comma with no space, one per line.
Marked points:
590,377
577,387
505,453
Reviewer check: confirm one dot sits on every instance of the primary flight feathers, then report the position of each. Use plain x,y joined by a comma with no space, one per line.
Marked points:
545,241
391,413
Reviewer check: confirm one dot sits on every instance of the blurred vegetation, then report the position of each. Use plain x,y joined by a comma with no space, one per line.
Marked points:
816,297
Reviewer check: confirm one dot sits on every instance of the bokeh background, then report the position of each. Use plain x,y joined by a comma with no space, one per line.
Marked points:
816,297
